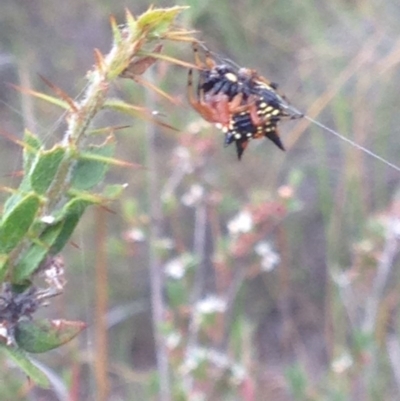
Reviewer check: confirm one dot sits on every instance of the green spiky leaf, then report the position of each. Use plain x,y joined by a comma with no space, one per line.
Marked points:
24,363
107,130
135,111
50,99
44,335
156,22
91,169
71,214
3,266
112,192
130,21
16,223
12,200
32,146
123,107
115,30
36,253
45,168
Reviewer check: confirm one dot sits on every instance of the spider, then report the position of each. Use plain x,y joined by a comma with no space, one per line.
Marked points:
238,100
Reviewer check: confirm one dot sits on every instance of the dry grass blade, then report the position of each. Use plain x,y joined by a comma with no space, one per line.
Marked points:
137,111
61,94
139,66
13,139
154,88
42,96
109,160
390,61
108,130
171,60
181,36
8,190
150,117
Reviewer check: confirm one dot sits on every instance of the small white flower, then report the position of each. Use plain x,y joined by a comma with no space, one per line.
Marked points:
221,361
176,267
211,304
135,235
193,196
342,363
173,340
185,163
241,223
194,357
342,279
269,258
285,192
182,152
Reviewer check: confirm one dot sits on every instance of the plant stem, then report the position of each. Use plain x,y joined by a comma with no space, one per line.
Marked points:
156,281
101,355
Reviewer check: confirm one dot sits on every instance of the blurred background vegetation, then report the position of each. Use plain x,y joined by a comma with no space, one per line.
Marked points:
279,272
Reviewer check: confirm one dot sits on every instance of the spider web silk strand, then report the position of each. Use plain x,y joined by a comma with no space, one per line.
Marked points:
356,145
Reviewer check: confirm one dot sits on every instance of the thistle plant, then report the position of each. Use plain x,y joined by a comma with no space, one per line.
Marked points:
60,183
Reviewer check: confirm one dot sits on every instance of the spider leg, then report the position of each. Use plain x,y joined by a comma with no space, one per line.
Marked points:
200,107
210,63
235,104
190,95
214,109
219,104
200,84
197,59
236,107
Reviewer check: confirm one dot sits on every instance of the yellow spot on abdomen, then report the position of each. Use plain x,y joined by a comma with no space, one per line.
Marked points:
231,77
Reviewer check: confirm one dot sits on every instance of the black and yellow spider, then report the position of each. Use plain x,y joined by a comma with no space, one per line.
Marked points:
242,103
